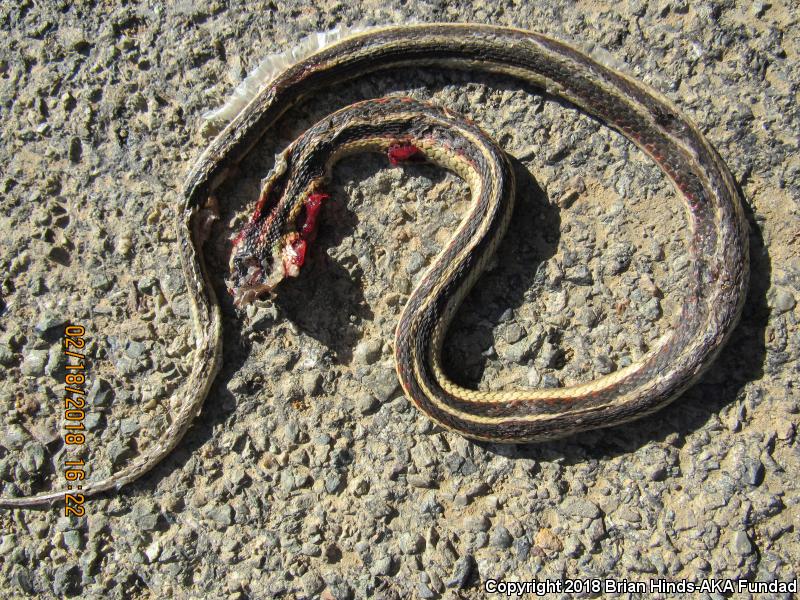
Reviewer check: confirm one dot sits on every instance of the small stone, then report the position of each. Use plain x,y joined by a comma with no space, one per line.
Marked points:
333,482
515,353
337,589
75,150
580,507
415,262
741,543
262,317
501,538
49,321
629,514
651,310
596,530
20,577
129,426
6,355
367,352
33,365
461,572
546,540
92,420
222,514
14,437
135,350
366,403
313,584
580,275
550,381
476,523
514,333
55,360
311,382
656,472
573,547
118,450
782,301
618,258
386,385
153,551
33,458
145,515
7,544
381,566
73,38
421,481
67,581
752,471
411,543
309,549
523,548
100,393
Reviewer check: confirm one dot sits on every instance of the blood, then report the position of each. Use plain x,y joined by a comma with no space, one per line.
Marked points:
299,246
404,152
313,205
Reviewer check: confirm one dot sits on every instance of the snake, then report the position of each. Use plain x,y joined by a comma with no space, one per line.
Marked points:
273,244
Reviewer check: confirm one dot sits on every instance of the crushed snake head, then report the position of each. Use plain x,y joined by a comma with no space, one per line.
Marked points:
273,244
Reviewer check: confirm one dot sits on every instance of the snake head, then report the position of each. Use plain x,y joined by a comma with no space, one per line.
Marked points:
272,247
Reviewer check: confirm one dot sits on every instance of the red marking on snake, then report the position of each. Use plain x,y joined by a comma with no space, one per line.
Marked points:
262,200
403,152
238,237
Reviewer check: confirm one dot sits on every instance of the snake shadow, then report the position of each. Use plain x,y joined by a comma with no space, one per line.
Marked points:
518,274
742,360
532,238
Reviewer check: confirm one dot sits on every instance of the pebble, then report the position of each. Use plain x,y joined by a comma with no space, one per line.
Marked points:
33,458
34,362
501,538
381,566
411,543
548,541
100,393
67,581
425,592
782,301
580,507
49,321
312,583
367,352
14,437
476,523
366,403
741,543
72,540
311,383
462,570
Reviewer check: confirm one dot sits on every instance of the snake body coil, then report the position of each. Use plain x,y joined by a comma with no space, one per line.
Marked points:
717,278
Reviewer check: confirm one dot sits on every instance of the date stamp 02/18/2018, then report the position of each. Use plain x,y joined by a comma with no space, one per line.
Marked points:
74,414
544,587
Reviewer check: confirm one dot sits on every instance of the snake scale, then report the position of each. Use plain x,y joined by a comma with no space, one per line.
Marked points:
273,244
